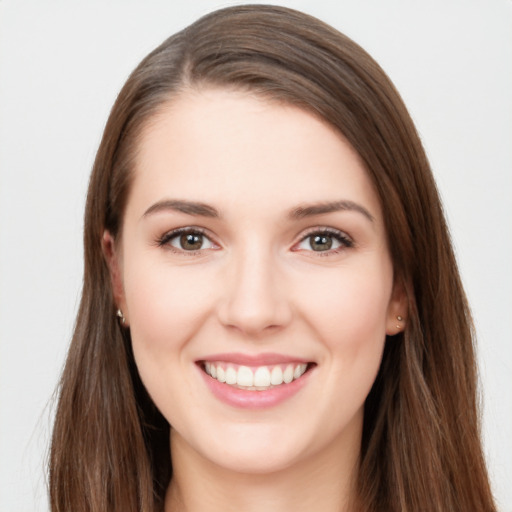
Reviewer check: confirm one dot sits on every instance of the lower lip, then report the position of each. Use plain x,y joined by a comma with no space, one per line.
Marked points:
252,399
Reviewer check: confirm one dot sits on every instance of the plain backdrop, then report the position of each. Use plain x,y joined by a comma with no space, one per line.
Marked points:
61,66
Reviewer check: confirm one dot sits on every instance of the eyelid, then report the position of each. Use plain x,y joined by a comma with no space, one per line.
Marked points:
342,237
163,241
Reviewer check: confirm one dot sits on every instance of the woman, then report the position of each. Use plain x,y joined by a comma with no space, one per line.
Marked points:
271,314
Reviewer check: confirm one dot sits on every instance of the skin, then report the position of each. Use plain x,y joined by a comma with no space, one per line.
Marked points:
255,286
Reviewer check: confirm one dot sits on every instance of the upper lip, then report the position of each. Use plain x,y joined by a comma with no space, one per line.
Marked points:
265,359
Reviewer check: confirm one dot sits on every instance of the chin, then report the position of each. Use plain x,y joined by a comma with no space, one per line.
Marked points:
257,461
252,449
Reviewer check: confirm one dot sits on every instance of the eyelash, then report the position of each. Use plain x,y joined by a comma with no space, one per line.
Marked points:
342,238
166,238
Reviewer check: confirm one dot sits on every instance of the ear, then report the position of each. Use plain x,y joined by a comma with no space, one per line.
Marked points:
397,309
113,260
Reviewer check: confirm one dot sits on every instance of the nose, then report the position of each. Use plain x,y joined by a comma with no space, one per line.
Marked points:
255,301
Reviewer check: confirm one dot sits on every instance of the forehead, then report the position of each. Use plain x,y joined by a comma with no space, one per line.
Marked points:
234,148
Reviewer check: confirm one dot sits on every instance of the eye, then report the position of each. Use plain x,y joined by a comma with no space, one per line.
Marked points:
324,241
186,240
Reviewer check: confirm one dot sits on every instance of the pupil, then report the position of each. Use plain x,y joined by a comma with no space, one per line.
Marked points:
191,241
321,243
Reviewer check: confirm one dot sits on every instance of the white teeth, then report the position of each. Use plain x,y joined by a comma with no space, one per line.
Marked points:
230,375
276,377
288,374
299,370
260,378
244,376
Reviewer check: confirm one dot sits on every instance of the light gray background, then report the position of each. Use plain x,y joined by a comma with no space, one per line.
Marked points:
61,66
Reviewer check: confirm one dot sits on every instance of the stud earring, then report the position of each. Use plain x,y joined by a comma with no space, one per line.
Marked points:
399,318
120,315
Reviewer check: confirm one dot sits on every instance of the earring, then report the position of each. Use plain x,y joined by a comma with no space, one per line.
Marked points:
120,315
399,318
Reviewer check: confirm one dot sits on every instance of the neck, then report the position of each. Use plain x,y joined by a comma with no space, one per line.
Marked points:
325,481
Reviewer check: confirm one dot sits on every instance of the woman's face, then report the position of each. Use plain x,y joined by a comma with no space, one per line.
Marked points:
253,249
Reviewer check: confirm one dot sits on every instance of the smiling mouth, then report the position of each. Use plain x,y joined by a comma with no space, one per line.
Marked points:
258,378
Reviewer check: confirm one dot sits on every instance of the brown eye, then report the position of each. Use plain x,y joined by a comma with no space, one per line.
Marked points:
320,242
186,240
191,241
329,241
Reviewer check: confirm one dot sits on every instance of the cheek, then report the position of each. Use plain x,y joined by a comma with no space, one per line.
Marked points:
347,314
160,294
166,307
347,311
348,306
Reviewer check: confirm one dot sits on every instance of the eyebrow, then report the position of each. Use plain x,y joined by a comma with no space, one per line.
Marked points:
334,206
301,212
188,207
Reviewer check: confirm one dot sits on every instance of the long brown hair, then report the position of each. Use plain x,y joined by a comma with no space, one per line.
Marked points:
421,446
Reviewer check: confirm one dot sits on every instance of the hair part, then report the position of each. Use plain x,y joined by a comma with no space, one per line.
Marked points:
421,446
